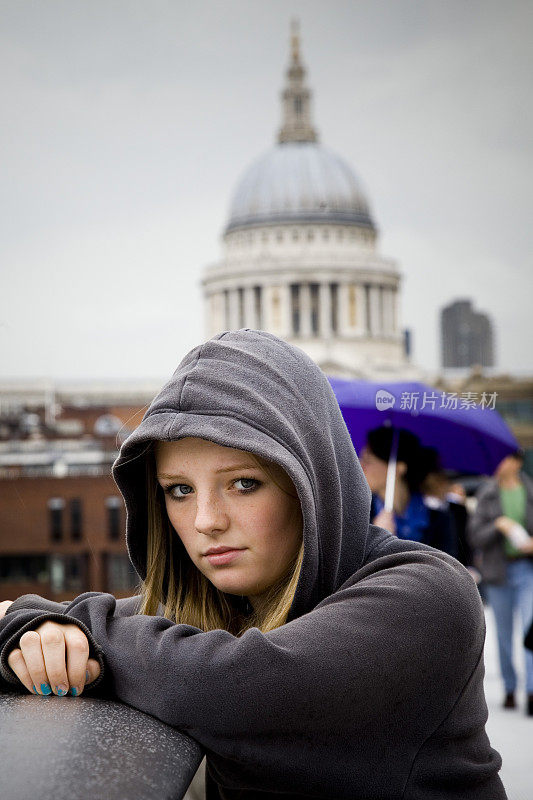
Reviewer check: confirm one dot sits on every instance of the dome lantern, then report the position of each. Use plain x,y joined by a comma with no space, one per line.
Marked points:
296,98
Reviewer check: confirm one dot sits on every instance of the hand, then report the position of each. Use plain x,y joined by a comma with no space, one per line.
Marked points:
4,605
53,659
504,525
385,519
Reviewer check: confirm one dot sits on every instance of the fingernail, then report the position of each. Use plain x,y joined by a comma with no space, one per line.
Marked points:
34,689
61,690
46,688
87,676
74,691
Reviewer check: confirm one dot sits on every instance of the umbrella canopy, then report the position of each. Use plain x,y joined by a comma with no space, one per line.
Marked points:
467,431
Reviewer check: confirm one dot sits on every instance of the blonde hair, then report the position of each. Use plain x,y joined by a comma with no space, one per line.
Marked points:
186,594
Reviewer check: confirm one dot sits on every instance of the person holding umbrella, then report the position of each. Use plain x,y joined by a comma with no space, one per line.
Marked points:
501,529
395,465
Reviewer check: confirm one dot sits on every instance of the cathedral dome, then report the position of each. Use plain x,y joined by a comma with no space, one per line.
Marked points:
298,181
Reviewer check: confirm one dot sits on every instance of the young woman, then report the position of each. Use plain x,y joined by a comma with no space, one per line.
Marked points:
312,655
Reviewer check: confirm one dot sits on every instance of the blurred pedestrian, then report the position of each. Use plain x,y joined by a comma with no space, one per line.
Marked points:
411,517
501,528
448,514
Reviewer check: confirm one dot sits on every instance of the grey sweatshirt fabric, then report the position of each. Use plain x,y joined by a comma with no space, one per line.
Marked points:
373,688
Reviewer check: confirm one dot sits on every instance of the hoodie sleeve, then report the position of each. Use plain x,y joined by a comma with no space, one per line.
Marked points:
29,611
321,695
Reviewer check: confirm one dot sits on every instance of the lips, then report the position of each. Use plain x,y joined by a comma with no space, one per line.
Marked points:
217,550
223,555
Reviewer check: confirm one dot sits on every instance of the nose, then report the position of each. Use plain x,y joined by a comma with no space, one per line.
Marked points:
211,515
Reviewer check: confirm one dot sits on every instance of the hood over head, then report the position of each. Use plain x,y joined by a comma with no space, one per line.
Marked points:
250,390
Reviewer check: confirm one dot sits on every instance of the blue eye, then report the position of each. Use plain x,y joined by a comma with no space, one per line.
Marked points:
247,489
171,490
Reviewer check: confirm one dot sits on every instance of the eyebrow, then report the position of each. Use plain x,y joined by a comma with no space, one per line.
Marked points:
222,469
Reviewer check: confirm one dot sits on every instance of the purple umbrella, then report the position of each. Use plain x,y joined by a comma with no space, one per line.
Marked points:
464,427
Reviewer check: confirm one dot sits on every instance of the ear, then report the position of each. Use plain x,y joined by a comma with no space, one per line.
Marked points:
401,468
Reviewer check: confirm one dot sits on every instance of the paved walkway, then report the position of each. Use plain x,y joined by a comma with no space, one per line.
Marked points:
509,731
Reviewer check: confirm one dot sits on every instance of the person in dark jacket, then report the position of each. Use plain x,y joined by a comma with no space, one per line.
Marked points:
501,529
412,517
320,656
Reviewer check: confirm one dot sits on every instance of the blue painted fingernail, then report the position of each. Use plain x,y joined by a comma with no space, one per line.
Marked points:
61,691
87,676
74,691
46,688
34,689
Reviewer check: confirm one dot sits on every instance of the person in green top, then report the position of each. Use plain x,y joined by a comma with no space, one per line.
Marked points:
501,530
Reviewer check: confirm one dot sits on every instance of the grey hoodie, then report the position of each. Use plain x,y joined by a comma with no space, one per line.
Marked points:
374,686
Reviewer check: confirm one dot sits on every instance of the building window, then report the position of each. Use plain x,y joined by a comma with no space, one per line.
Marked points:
264,236
295,235
257,307
325,233
381,309
75,518
56,506
352,306
295,307
114,507
310,234
24,569
119,573
334,289
68,573
240,292
298,104
315,305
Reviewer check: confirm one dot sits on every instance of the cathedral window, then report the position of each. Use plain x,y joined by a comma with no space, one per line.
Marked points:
314,287
334,289
226,309
298,104
352,306
367,307
276,309
257,307
295,307
240,291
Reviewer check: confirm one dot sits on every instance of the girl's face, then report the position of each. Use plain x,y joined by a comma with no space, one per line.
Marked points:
218,499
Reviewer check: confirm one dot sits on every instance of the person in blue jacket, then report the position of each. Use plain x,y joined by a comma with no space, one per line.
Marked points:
311,654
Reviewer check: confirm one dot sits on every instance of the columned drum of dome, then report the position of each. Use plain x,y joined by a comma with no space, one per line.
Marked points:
300,253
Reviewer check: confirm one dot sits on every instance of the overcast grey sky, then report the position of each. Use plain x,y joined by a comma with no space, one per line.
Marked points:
127,124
